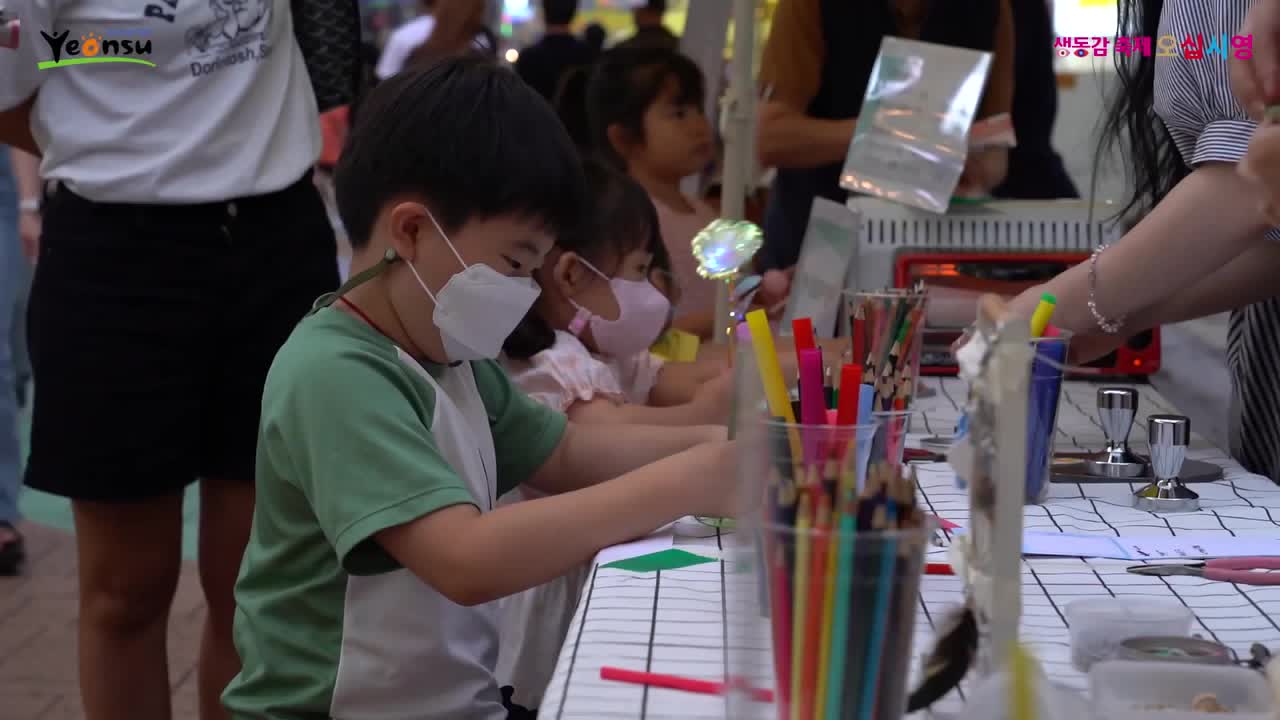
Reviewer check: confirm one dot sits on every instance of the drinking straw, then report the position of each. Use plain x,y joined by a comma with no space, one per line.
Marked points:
800,594
815,610
1044,311
802,333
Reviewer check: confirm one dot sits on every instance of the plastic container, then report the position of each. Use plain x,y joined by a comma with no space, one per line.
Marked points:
1129,690
1099,625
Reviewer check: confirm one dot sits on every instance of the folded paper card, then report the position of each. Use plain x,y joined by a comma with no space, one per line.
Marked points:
1147,548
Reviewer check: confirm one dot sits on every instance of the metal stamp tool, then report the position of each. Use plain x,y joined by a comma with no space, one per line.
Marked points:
1167,436
1117,407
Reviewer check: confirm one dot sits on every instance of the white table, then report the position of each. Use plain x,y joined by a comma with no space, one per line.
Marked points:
675,622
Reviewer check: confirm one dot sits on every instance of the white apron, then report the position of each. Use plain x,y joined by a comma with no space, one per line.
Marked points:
409,653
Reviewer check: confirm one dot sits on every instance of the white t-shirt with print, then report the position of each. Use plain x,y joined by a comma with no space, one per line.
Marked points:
202,101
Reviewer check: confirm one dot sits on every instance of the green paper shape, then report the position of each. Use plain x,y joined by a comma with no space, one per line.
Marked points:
661,560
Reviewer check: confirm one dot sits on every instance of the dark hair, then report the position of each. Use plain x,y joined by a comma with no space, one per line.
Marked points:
626,82
471,138
654,6
619,219
1152,163
594,36
570,103
559,12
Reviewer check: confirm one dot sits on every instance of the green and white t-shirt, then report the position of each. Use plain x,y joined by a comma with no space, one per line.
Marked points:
357,437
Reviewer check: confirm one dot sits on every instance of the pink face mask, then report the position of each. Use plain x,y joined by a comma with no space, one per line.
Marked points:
643,314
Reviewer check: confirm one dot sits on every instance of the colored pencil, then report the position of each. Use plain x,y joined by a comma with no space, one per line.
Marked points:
840,616
800,601
885,518
815,610
675,682
828,608
891,338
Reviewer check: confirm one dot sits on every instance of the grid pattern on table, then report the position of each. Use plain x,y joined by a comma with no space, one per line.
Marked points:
676,622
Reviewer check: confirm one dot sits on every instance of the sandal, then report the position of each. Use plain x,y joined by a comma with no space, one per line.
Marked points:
13,552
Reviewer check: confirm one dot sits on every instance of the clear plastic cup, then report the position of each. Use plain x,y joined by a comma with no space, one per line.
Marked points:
1099,625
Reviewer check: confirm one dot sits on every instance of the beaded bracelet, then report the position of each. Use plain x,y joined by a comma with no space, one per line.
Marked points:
1110,327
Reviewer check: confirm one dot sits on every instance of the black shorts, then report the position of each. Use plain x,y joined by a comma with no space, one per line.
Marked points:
152,328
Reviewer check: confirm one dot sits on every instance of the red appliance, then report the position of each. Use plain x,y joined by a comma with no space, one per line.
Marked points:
957,278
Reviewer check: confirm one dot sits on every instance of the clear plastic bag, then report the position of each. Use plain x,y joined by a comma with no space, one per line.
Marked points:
912,137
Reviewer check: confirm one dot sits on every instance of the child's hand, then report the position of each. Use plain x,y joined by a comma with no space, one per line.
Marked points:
775,286
719,495
714,397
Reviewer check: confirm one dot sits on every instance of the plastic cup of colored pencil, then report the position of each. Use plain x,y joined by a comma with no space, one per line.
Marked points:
1042,411
844,579
888,331
891,437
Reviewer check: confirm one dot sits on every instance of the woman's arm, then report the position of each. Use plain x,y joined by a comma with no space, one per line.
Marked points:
1245,280
1206,221
15,127
790,74
26,170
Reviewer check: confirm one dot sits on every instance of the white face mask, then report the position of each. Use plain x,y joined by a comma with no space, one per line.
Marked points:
477,308
643,314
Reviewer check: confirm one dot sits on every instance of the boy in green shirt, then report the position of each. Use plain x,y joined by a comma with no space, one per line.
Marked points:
388,432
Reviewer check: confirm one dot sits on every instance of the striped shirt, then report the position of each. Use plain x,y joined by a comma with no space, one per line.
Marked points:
1194,99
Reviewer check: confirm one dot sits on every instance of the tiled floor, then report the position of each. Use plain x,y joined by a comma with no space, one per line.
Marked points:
38,677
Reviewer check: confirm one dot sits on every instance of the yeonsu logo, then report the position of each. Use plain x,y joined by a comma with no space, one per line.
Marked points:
94,47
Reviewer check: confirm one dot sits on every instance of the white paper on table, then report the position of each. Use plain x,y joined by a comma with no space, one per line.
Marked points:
661,539
1147,548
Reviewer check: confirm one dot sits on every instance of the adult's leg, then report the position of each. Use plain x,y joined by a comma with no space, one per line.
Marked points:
130,555
116,316
283,257
226,514
18,334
